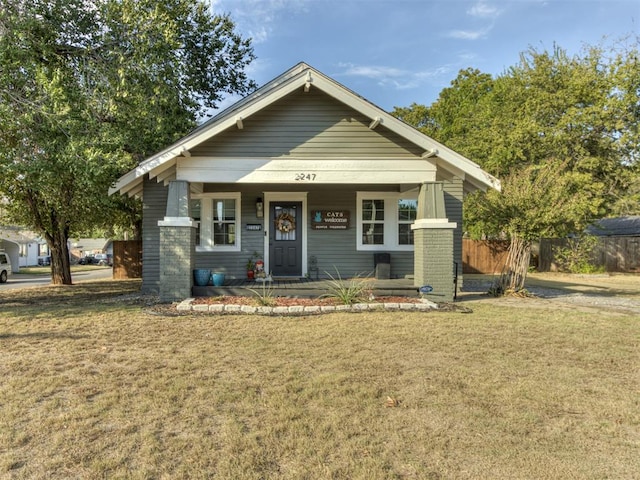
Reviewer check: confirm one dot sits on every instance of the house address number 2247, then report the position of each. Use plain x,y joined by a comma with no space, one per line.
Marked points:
305,177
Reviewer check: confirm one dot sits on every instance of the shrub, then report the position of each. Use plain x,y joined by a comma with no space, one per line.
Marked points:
356,289
576,256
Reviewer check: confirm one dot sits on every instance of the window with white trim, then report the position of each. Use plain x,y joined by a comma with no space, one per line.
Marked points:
407,214
217,219
384,220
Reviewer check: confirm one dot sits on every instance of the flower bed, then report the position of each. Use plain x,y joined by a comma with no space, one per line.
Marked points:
292,301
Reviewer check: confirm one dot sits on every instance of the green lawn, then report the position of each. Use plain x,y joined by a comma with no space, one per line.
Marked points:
95,386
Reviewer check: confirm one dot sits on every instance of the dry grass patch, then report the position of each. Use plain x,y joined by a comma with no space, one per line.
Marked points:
94,387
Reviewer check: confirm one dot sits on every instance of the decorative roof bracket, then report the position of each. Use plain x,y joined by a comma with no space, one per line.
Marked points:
430,153
376,121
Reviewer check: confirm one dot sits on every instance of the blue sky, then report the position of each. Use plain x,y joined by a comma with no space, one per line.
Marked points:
399,52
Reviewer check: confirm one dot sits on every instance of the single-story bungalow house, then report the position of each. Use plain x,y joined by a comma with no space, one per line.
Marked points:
81,247
24,247
312,177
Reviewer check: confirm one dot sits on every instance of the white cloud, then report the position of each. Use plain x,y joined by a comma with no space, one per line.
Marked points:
484,10
375,72
486,13
469,34
466,57
392,77
256,18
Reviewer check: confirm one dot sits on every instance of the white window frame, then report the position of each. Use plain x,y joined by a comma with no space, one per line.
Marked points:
206,221
391,220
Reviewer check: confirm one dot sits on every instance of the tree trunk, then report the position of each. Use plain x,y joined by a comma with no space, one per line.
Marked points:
516,267
60,263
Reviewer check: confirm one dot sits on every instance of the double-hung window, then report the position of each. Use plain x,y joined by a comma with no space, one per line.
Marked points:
384,220
217,219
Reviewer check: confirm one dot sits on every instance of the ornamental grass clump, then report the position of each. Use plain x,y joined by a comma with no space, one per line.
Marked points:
348,292
265,296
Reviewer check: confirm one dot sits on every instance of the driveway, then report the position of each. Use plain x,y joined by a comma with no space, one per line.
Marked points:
608,293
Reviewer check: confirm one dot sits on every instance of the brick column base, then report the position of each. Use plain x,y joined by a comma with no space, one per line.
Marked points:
176,262
433,261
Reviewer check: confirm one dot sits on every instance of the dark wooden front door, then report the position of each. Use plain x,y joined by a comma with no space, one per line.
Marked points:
285,239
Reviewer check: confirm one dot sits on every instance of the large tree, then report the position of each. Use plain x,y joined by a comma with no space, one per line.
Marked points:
90,87
561,131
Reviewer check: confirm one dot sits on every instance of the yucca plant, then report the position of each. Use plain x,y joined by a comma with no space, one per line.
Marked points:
348,292
265,295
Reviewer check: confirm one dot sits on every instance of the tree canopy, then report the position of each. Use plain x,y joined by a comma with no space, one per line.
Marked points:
561,131
90,87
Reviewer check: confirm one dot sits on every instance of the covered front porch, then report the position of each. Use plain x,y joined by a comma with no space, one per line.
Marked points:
319,253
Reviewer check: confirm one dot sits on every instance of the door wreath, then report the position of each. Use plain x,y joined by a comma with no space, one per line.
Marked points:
285,223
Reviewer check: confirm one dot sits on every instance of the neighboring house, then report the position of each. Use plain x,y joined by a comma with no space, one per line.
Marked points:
618,226
24,247
618,248
81,247
311,176
27,249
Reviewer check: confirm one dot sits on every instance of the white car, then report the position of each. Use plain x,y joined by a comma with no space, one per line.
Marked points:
5,267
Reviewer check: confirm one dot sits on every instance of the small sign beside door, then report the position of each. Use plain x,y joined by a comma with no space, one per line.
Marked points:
329,219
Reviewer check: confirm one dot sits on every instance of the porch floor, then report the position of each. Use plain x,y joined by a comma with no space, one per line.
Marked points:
302,288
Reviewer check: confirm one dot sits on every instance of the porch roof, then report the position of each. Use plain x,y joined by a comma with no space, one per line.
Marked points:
163,164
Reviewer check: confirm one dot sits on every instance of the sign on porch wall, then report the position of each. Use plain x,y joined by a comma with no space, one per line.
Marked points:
329,219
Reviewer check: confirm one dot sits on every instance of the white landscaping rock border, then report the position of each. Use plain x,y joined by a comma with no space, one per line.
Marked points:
220,308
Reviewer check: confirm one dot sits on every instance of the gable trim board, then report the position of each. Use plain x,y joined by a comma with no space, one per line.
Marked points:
304,137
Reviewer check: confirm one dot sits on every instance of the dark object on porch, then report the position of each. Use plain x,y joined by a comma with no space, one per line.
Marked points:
313,265
382,264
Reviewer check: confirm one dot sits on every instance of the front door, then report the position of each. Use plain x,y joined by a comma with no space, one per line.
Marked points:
285,239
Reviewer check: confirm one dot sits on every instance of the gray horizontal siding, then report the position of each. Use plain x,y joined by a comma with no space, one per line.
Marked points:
153,209
233,264
335,250
453,200
307,125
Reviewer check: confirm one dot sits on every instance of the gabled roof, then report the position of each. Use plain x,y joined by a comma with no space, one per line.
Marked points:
625,226
91,244
304,76
17,234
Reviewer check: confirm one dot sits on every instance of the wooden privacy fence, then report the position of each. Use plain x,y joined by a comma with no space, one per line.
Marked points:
483,256
127,259
615,254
